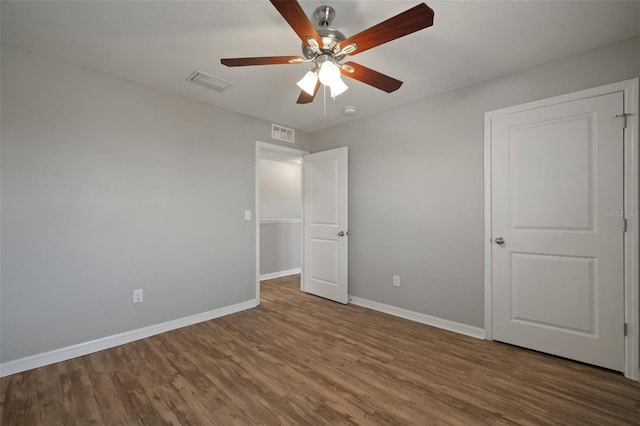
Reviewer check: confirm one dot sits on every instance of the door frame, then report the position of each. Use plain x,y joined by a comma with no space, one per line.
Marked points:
264,146
631,96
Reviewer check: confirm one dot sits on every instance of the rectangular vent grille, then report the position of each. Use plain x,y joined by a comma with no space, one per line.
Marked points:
209,81
282,133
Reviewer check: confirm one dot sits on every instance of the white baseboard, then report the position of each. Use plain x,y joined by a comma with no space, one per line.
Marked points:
63,354
279,274
456,327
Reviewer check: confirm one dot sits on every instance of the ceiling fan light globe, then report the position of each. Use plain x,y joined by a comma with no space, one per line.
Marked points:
308,82
329,73
338,87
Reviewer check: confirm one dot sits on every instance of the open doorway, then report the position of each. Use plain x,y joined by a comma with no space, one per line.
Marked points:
279,209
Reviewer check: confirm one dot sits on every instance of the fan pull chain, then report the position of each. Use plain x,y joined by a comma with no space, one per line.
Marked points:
324,99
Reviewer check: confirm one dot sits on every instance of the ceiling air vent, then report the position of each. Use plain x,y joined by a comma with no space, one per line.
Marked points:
282,133
206,80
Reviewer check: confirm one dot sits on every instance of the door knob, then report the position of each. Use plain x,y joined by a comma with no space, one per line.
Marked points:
499,240
341,234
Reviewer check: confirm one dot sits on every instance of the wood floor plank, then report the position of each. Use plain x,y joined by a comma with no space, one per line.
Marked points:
299,359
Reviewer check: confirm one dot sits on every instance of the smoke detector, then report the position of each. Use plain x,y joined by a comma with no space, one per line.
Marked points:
350,110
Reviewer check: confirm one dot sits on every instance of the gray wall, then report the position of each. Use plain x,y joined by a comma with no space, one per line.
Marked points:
280,198
416,184
109,186
280,247
280,189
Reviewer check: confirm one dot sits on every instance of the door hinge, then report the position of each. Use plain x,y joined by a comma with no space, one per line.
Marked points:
623,120
624,225
626,329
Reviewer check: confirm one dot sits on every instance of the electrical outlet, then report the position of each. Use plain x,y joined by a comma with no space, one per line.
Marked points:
396,280
137,296
247,215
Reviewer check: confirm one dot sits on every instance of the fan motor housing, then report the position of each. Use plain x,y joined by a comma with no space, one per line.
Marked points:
324,16
331,38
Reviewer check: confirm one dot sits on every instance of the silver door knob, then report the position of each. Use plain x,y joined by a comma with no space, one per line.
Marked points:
341,234
499,240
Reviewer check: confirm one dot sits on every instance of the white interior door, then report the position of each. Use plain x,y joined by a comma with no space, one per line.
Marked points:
557,229
325,225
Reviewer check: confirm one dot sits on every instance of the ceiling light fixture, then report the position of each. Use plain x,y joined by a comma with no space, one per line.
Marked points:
338,87
329,75
308,82
327,47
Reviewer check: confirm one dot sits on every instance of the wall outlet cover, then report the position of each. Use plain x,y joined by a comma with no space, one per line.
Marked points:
137,296
396,280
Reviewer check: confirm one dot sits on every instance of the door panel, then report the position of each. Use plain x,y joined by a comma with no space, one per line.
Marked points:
558,277
569,279
325,225
324,183
325,266
541,182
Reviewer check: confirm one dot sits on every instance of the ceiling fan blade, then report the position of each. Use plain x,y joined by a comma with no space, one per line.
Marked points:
370,77
306,98
263,60
292,12
407,22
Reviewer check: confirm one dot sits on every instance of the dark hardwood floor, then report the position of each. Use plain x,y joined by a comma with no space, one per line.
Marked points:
299,359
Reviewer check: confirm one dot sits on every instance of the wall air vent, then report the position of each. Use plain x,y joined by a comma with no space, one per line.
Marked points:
209,81
282,133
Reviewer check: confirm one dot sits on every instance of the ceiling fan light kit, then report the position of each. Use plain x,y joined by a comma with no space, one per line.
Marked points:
308,82
322,46
328,72
338,87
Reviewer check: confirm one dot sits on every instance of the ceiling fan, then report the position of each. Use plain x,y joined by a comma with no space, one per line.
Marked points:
327,47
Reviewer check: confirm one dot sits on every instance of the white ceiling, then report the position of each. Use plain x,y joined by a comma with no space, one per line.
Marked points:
159,43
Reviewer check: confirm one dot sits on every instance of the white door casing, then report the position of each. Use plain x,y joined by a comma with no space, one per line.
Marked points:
557,190
325,254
